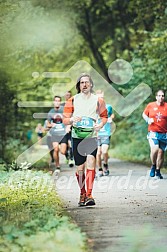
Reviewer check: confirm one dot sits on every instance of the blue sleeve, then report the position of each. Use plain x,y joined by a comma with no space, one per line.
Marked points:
109,109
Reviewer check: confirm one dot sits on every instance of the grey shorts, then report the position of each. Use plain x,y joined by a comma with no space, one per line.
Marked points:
103,140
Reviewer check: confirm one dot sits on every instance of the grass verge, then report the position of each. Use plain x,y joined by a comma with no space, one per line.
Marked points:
32,216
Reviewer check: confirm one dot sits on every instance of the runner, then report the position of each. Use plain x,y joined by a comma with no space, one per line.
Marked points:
104,136
49,144
39,130
81,111
69,153
57,130
155,114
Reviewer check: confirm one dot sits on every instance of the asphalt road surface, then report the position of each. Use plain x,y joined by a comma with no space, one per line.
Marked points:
130,211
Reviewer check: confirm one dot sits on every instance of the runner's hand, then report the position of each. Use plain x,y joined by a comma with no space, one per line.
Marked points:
68,128
150,121
76,119
109,120
97,126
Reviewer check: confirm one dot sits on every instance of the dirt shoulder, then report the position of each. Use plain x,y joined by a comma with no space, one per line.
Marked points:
128,199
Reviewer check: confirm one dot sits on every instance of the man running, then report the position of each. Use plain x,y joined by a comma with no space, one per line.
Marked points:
81,111
155,114
104,136
49,144
69,153
57,131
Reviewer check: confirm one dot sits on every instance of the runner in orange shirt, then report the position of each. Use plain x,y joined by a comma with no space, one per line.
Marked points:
69,153
155,114
82,111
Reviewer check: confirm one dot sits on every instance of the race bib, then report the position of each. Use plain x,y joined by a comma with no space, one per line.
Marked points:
58,129
84,128
86,122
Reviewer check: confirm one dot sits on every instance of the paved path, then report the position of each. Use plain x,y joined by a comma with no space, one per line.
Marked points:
126,200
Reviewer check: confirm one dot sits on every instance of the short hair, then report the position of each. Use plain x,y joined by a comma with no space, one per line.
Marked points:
57,96
160,90
78,82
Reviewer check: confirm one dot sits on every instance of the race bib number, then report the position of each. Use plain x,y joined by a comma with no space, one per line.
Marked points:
86,122
58,127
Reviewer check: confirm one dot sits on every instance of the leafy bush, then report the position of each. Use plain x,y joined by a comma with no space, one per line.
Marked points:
14,147
32,216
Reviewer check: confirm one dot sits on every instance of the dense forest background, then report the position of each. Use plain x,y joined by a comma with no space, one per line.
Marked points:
51,36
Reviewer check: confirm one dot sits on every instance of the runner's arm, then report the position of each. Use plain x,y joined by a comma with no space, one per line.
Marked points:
146,115
102,111
147,119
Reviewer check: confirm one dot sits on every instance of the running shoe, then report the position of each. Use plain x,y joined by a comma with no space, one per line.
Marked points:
56,173
57,170
82,200
90,201
158,174
106,172
100,173
152,171
71,163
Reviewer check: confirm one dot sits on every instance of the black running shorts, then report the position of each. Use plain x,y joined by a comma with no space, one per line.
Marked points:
83,147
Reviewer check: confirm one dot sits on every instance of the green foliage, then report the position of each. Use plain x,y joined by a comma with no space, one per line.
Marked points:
42,163
149,65
48,35
129,141
31,214
33,39
13,148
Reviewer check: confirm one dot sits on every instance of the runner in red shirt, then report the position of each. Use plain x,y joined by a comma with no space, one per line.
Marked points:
155,114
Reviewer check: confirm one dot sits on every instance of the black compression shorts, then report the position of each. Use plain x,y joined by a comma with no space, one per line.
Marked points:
83,147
